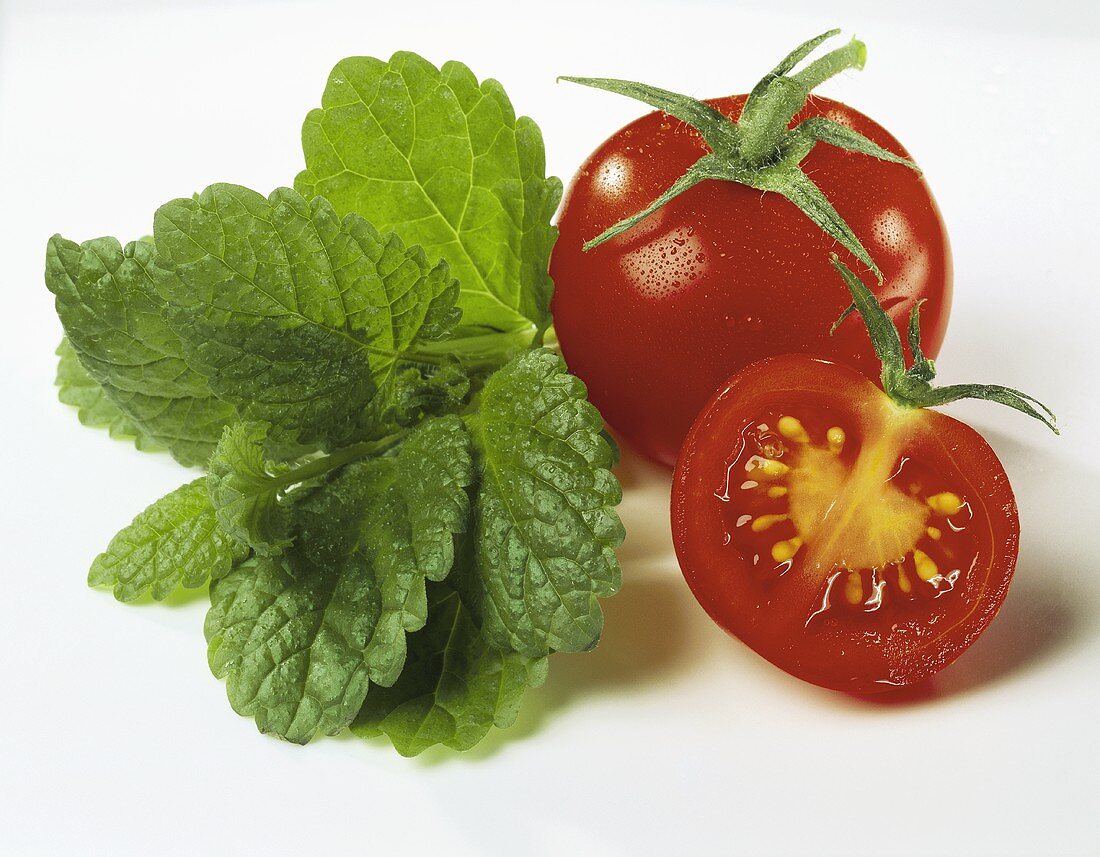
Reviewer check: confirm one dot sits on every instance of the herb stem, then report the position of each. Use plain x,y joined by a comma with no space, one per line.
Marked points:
332,461
477,352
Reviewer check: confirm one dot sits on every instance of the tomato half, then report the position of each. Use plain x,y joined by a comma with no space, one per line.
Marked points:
854,543
656,319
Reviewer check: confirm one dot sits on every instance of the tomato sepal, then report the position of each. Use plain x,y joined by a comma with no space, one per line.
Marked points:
759,150
911,386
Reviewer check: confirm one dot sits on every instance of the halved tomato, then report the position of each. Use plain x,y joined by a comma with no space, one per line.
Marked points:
854,542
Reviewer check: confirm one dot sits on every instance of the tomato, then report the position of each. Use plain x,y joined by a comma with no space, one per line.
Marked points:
853,542
657,318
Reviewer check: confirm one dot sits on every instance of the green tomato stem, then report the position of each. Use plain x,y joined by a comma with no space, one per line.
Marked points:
912,387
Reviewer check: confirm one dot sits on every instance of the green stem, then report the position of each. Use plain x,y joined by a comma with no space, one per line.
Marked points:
912,387
852,56
478,352
765,117
332,461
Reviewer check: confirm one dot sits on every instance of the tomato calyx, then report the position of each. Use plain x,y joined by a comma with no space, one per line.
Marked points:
912,387
758,149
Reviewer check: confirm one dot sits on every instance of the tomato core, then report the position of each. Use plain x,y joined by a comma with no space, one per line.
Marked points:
857,523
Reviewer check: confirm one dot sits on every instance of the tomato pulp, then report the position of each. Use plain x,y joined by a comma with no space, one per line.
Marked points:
854,543
657,318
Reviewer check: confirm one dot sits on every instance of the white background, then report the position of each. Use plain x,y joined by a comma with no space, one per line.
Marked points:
671,738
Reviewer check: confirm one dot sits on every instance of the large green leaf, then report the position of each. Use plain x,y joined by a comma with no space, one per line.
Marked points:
546,526
442,160
301,318
114,320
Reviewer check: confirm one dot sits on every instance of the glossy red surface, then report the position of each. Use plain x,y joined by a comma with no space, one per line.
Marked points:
723,275
904,626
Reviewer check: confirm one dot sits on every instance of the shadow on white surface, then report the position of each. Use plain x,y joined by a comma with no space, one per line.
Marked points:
1040,620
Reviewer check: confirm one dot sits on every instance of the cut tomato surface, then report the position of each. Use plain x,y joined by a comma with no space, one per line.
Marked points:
853,542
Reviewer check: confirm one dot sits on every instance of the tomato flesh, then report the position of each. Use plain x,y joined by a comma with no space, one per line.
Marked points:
856,544
656,319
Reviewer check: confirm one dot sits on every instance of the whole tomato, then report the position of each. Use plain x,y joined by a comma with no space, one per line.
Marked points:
729,272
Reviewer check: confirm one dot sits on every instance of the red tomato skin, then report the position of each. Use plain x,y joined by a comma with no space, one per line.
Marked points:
892,649
656,319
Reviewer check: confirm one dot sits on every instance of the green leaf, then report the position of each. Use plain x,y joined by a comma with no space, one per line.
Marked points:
244,494
546,527
788,181
455,685
289,632
174,543
299,636
288,636
400,514
819,129
409,529
77,388
442,160
114,320
713,126
301,319
420,394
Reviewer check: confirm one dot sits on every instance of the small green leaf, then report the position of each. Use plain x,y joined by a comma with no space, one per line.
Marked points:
244,493
400,514
443,161
288,636
174,543
913,387
455,685
819,129
289,632
303,320
114,320
77,388
418,394
546,526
